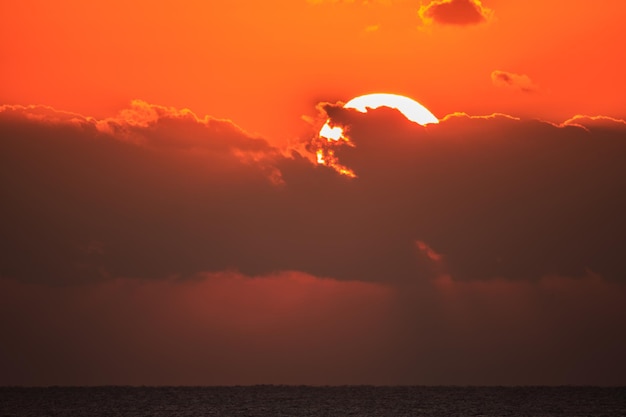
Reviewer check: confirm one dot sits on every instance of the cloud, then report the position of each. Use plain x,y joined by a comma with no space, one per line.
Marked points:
495,196
158,247
147,124
156,193
511,80
138,184
455,12
215,329
293,328
548,323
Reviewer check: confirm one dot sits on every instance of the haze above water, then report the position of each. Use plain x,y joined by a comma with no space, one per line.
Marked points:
313,401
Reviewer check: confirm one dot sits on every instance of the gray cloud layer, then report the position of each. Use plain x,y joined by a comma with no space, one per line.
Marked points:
174,196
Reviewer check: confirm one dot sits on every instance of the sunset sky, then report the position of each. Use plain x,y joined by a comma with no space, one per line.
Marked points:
165,220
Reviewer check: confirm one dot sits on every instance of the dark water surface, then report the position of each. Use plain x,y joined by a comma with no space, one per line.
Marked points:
313,401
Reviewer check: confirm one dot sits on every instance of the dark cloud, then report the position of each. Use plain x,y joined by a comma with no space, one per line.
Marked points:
517,81
175,195
455,12
151,195
495,196
293,328
191,252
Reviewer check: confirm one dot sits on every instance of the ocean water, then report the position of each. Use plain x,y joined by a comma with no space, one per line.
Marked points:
313,401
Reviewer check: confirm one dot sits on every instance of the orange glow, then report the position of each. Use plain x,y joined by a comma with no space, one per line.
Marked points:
320,156
347,172
325,155
329,159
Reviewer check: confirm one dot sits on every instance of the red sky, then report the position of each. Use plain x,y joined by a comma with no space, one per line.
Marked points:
164,220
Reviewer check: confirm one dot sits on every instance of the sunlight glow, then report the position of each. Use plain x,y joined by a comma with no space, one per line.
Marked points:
331,133
410,108
320,157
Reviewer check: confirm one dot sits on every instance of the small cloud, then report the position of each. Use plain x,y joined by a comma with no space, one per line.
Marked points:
372,28
511,80
455,12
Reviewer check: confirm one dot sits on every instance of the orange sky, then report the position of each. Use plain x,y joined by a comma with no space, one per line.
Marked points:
265,64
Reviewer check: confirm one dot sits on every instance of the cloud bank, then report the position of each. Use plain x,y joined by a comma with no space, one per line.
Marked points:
157,193
496,196
158,247
293,328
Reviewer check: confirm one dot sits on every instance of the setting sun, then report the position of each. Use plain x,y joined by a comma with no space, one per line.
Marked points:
410,108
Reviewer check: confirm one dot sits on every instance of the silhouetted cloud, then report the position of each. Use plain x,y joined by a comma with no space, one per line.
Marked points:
517,81
158,247
139,186
174,195
455,12
496,196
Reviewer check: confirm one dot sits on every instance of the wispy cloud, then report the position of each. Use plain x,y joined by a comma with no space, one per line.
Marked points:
519,82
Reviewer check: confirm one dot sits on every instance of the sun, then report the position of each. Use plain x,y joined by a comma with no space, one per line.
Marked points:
410,108
331,136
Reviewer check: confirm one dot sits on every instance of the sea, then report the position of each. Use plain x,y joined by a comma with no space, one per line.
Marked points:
273,400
